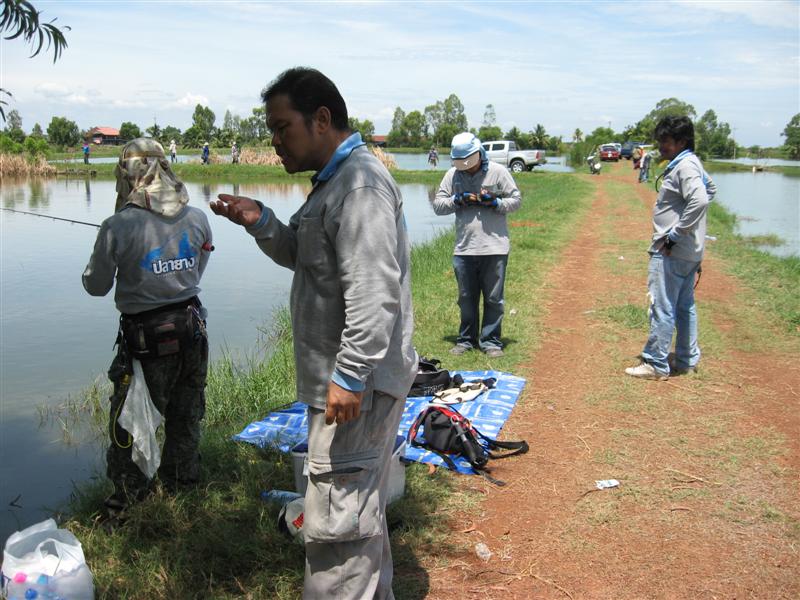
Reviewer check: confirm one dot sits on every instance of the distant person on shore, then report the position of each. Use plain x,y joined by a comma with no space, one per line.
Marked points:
676,251
433,157
636,155
86,150
155,248
173,151
644,167
204,155
480,193
352,323
234,153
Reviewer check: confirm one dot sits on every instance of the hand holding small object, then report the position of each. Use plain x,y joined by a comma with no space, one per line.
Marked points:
238,209
489,199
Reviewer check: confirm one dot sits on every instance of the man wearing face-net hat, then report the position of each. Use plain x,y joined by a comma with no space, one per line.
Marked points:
480,193
156,247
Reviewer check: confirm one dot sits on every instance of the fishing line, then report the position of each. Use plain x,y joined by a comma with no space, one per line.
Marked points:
33,214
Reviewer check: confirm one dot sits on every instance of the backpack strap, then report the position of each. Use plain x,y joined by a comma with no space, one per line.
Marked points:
520,447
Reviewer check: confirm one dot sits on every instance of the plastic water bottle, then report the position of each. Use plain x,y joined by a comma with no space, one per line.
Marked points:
279,497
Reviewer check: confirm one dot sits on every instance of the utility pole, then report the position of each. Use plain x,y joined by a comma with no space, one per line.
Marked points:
734,143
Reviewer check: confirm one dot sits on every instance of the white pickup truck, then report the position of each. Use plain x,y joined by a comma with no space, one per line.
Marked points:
506,153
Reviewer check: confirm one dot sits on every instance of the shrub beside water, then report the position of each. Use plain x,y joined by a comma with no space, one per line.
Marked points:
25,165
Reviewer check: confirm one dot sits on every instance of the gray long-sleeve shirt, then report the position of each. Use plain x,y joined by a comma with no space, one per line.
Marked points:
480,230
681,208
156,260
351,291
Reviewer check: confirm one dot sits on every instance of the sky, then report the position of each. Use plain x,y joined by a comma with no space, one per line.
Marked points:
565,65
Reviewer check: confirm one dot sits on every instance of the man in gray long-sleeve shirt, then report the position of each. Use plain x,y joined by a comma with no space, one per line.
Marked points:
352,322
676,251
481,194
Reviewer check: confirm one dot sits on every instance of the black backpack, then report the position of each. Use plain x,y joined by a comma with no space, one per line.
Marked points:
446,431
430,378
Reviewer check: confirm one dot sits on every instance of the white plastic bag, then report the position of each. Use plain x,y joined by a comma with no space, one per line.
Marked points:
141,419
45,559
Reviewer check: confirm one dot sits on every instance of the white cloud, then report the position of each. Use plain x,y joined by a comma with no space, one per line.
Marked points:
124,103
52,90
64,95
189,100
76,99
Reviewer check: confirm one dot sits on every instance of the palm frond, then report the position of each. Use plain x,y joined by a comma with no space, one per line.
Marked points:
21,19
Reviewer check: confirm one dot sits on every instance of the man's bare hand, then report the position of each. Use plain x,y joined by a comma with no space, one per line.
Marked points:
342,405
239,209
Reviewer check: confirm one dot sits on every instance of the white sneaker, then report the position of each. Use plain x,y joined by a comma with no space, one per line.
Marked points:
645,371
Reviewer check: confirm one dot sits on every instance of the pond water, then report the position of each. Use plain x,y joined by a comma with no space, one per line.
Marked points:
419,162
766,162
55,338
766,203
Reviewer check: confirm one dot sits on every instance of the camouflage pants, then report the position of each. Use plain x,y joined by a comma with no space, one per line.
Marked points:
177,387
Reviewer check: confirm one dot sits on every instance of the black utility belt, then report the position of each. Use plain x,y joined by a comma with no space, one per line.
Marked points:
161,331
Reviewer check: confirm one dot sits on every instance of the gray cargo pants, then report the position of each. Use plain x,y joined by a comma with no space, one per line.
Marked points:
347,541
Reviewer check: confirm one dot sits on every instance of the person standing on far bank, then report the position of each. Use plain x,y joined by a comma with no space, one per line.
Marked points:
352,323
676,251
156,248
481,193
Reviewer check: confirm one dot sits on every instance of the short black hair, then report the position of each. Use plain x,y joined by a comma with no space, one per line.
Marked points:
307,90
678,128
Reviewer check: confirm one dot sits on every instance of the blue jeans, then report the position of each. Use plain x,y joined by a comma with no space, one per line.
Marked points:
478,275
670,286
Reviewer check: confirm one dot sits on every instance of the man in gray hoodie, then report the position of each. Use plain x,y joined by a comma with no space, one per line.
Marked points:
676,251
352,323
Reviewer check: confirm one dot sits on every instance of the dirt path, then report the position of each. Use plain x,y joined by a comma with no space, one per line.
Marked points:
708,463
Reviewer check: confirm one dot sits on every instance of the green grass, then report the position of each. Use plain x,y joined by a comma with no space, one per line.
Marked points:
629,316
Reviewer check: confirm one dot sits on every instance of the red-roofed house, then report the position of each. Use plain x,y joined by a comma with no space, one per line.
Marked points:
379,140
105,135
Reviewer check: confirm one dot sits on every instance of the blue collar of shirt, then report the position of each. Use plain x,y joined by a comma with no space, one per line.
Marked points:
674,162
341,153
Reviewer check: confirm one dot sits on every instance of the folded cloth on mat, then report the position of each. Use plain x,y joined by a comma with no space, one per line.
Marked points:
286,428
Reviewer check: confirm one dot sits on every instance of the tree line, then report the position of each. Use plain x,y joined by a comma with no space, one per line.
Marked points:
437,123
713,138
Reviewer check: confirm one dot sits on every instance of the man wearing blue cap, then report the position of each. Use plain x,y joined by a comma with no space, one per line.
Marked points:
480,193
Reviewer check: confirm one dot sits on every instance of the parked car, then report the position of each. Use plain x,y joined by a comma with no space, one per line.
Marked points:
627,149
507,154
609,152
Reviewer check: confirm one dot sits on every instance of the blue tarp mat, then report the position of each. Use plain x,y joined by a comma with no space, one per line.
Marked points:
286,428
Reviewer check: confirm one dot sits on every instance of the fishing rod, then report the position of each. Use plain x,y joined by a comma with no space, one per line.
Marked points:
33,214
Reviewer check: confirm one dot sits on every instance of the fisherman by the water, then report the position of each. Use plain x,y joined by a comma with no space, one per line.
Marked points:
156,248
